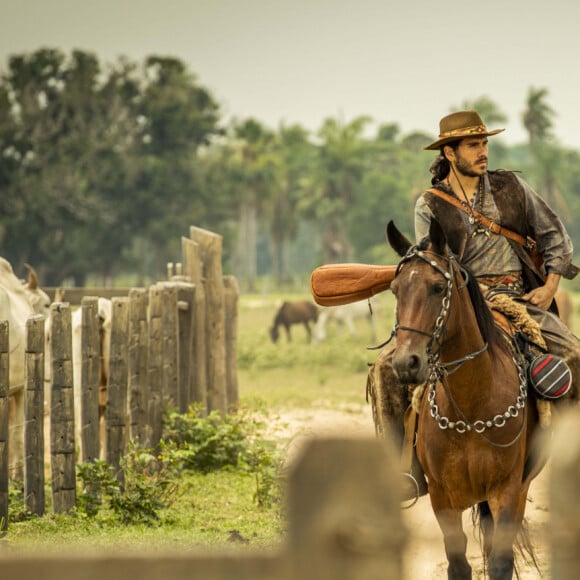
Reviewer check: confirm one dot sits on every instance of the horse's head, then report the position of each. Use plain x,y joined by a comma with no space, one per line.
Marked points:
274,333
423,286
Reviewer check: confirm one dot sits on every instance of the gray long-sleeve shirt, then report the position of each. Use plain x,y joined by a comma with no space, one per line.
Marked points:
492,255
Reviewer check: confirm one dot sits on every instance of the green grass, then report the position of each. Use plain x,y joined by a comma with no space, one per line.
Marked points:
208,508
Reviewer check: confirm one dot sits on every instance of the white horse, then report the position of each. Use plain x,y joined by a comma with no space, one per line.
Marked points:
345,316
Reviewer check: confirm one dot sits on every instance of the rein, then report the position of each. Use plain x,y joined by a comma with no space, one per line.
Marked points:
438,372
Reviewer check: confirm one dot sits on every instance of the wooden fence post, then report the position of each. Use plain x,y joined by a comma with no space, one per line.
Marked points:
192,267
62,426
231,296
345,516
4,407
169,339
34,416
117,406
90,430
211,253
186,343
155,377
564,503
138,362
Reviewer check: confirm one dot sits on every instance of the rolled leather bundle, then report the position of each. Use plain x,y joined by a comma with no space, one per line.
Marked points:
336,284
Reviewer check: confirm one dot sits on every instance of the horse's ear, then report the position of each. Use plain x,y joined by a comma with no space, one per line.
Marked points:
397,240
437,237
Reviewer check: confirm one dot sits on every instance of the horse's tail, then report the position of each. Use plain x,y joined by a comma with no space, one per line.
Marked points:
523,546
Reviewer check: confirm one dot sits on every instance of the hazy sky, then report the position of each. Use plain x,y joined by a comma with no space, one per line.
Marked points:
403,61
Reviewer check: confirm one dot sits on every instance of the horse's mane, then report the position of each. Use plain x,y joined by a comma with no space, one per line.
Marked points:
484,317
483,314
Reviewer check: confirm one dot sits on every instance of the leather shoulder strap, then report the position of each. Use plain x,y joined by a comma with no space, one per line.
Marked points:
483,219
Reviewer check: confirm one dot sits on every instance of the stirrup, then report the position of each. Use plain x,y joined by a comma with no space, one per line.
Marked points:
414,499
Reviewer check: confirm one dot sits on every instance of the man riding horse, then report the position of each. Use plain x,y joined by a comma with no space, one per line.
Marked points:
495,223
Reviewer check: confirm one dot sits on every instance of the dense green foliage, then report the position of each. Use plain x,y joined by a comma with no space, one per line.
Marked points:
103,167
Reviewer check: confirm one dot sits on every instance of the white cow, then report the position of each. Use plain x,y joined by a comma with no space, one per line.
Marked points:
18,302
344,316
39,299
105,317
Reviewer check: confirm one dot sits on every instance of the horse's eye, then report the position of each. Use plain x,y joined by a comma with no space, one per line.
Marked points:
438,288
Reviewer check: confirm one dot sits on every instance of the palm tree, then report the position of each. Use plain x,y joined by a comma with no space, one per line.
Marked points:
537,117
338,175
257,170
294,158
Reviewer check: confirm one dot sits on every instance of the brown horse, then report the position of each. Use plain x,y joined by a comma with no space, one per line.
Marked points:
290,313
476,422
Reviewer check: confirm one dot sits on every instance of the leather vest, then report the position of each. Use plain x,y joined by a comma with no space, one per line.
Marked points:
510,199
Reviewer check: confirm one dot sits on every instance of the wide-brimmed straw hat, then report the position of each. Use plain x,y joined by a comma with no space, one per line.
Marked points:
460,125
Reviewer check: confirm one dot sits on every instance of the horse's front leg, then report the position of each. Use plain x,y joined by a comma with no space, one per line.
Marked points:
509,521
308,331
455,540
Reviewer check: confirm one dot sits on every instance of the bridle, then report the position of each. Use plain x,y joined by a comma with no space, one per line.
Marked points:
438,371
440,329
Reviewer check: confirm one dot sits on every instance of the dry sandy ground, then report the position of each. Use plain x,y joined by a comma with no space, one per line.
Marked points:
425,556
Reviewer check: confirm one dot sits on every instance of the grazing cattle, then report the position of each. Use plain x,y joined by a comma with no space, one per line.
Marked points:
344,316
39,299
290,313
18,302
104,309
565,307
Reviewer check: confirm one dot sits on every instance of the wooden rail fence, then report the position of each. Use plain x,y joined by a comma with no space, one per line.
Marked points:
170,345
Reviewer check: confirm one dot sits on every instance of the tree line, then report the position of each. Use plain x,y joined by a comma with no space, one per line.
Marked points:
104,166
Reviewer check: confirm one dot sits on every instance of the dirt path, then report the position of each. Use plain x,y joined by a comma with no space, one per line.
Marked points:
425,556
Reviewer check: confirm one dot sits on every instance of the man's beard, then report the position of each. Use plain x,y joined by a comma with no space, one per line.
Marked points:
465,170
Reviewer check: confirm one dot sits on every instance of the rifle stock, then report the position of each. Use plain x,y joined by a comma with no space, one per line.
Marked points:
336,284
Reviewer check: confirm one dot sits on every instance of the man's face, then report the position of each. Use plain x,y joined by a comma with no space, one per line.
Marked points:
470,157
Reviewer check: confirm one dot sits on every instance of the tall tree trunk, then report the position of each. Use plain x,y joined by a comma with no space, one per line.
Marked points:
247,254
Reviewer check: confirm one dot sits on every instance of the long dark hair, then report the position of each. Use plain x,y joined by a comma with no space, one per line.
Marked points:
440,167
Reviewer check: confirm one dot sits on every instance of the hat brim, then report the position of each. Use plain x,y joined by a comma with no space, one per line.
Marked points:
437,144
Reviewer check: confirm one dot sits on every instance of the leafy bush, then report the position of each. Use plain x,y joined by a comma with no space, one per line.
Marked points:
17,508
231,441
147,485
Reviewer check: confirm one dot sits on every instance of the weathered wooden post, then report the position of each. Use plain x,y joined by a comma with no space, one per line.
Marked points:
155,377
231,296
169,338
186,348
565,506
90,429
345,515
62,421
211,257
34,416
117,407
192,268
137,362
4,407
